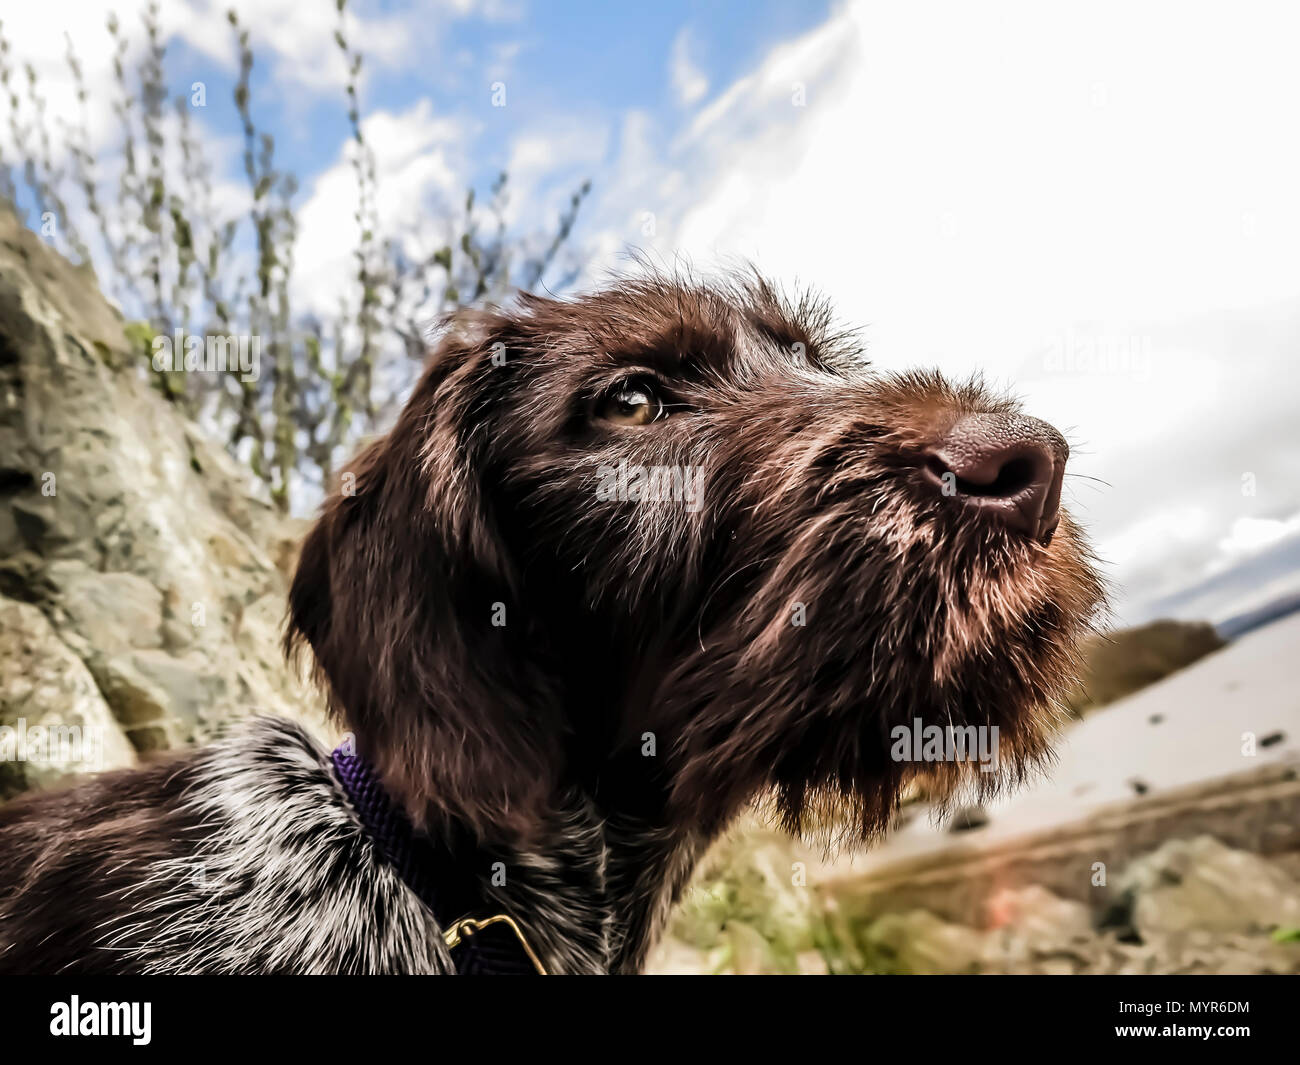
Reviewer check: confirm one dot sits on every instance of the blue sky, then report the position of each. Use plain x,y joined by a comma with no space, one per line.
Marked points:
1094,206
589,62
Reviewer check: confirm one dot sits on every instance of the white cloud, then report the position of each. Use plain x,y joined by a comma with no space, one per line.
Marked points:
294,38
419,163
1249,536
689,82
299,36
546,160
36,34
33,41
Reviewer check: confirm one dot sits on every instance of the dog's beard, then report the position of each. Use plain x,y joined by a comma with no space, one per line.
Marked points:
881,612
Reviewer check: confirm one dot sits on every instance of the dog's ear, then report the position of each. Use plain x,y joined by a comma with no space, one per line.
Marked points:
408,600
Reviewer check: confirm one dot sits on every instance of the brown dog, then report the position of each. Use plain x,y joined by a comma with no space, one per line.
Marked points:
624,564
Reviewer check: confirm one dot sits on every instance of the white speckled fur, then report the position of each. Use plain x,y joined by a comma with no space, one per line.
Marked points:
284,878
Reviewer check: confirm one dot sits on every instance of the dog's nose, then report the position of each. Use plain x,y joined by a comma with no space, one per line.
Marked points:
1007,466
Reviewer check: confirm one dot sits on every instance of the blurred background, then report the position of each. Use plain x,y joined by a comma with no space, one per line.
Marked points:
1095,208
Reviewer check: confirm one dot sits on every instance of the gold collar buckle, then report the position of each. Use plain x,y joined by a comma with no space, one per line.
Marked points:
468,926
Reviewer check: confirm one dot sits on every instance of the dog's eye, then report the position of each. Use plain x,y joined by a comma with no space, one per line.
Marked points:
632,403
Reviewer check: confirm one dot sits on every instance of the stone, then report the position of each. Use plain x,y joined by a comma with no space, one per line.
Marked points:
1200,883
920,943
111,611
1032,921
44,686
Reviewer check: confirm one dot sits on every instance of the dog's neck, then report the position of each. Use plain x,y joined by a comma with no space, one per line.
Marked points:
648,868
595,890
590,892
609,852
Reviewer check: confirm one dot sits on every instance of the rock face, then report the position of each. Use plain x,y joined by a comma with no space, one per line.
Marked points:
56,718
140,591
1190,884
1190,906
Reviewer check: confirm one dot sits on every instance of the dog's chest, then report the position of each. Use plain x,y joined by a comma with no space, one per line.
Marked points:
285,878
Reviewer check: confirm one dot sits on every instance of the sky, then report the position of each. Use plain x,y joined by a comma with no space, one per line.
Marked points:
1095,206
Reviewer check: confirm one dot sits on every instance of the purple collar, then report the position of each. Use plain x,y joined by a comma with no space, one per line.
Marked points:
436,872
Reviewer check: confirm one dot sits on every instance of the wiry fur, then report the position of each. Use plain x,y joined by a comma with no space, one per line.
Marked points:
281,876
648,682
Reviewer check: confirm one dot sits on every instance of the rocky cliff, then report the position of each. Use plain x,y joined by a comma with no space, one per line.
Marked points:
140,597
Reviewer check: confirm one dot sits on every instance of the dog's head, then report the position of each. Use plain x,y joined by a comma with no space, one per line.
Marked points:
678,544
